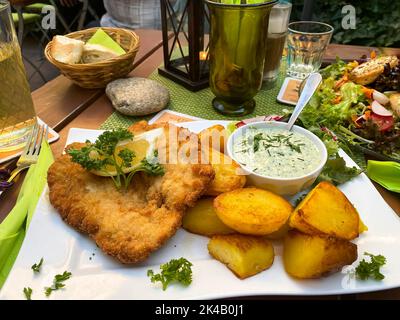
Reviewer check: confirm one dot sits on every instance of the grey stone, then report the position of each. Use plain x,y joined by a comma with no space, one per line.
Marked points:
137,96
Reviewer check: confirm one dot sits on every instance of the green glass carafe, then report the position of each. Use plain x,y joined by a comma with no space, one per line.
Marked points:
237,50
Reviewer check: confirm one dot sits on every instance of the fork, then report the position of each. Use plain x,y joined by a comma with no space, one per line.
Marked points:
30,154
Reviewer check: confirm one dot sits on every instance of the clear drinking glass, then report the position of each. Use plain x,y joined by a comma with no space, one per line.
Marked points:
277,31
307,42
17,114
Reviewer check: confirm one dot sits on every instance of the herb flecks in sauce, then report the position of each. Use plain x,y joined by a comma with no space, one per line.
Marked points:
276,152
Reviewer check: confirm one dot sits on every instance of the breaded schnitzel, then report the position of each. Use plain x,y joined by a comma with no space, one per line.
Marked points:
131,224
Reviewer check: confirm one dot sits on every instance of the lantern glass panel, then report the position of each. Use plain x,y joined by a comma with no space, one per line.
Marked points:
186,51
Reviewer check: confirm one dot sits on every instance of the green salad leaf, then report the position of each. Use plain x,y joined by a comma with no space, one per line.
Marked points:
336,171
322,111
335,70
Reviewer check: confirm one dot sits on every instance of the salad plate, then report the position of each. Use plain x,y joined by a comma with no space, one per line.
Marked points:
98,276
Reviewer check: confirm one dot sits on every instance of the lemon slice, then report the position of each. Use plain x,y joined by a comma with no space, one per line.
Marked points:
142,145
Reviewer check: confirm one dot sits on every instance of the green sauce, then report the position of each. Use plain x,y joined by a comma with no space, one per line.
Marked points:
276,152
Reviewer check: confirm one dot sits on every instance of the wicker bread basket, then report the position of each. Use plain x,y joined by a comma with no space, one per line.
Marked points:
98,75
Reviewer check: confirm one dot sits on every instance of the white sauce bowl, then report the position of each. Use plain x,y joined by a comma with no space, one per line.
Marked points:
281,186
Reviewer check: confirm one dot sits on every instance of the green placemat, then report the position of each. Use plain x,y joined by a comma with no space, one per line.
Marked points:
199,103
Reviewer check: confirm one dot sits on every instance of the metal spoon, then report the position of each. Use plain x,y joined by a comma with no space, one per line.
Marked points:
312,83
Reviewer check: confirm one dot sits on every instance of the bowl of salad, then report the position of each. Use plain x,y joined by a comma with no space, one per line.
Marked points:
358,105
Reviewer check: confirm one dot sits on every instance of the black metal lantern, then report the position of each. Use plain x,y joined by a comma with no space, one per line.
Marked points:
185,43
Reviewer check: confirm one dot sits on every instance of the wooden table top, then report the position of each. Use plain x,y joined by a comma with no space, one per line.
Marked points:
64,105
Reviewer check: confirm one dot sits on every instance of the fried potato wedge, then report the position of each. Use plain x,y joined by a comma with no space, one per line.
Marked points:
252,211
202,219
227,177
312,256
244,255
326,210
296,222
214,137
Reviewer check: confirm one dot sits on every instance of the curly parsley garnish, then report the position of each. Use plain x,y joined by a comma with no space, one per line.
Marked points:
371,269
58,282
36,267
28,293
101,154
178,270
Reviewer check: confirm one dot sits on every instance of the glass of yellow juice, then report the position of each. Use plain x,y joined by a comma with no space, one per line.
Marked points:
17,114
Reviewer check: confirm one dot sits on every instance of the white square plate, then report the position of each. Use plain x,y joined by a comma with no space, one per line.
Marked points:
97,276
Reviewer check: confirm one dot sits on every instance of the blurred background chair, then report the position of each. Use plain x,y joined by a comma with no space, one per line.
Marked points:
81,10
38,8
28,22
85,11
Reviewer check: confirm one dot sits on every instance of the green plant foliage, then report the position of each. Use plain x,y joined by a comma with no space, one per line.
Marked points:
377,21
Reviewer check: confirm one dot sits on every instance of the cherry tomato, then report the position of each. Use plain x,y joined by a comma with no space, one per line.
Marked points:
384,123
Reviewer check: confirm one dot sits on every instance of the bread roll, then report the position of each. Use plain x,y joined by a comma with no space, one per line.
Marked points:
67,50
95,53
395,103
367,72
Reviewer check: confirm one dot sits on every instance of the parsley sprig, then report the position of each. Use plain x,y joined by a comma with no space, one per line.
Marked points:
58,282
36,267
28,293
100,154
178,270
371,269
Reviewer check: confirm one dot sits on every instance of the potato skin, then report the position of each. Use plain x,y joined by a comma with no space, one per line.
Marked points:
252,211
326,210
296,221
214,137
202,219
312,256
226,174
244,255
